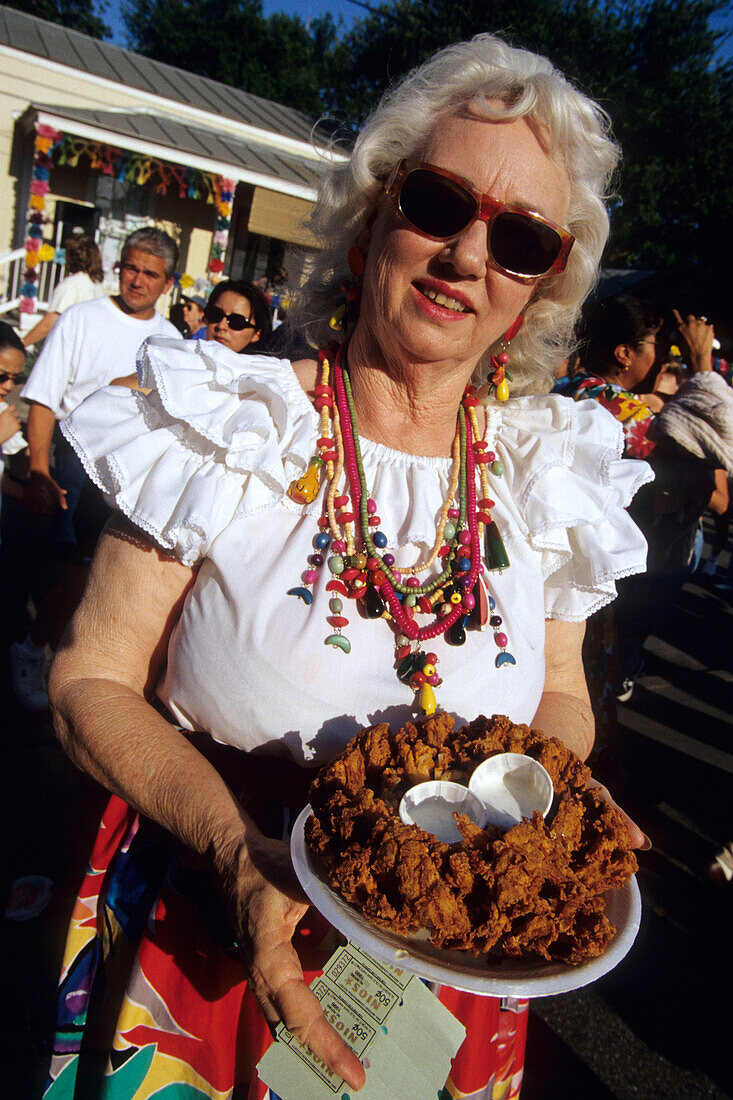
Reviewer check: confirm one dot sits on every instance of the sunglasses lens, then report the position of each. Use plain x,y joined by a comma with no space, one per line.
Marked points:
214,314
436,205
523,245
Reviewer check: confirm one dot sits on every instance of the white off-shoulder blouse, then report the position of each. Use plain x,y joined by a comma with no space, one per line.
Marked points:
202,465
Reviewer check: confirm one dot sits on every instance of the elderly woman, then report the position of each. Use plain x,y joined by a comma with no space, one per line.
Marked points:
195,683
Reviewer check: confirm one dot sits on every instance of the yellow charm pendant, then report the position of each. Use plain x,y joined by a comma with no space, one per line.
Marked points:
426,700
336,322
502,390
304,490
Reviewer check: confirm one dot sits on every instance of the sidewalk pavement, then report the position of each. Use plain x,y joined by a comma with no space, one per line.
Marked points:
655,1028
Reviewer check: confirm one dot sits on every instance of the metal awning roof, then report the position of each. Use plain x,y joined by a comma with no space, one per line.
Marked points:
101,60
181,143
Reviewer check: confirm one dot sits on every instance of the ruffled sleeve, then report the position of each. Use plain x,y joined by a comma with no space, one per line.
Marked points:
567,488
219,434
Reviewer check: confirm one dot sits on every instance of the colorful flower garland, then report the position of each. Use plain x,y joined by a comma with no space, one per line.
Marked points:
223,200
53,147
37,250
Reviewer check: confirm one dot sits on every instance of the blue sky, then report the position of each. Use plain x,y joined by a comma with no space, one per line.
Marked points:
348,12
306,9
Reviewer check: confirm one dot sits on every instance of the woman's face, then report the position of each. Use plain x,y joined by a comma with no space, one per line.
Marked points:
236,339
12,362
639,361
193,315
405,271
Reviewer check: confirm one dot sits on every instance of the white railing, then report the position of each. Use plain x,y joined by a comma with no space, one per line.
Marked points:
12,278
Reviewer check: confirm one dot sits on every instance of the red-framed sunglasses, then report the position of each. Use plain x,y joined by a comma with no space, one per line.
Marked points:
440,205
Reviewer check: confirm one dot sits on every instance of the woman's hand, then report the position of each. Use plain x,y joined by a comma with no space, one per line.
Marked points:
638,838
266,904
698,335
653,402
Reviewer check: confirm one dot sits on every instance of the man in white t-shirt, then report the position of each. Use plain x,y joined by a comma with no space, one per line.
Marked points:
91,345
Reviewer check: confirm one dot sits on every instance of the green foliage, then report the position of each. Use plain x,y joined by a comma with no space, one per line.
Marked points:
232,41
650,63
79,15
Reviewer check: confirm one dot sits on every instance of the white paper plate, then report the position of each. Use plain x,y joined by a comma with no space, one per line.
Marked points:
503,978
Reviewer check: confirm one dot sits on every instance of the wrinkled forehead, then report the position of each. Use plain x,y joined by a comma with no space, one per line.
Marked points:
505,157
144,257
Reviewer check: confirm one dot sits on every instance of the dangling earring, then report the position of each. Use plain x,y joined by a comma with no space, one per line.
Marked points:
499,381
348,310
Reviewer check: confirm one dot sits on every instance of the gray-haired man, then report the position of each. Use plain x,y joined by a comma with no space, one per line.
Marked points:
91,345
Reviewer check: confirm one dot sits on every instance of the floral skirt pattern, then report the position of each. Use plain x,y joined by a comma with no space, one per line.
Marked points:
153,1003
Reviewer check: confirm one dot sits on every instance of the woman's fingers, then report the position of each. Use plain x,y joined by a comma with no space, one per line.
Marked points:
638,838
277,981
302,1014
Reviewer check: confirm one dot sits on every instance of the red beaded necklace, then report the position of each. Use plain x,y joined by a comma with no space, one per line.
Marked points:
363,569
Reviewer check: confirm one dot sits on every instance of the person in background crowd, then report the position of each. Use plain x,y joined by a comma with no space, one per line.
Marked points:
616,367
81,283
619,367
238,316
176,318
90,344
12,364
193,314
721,527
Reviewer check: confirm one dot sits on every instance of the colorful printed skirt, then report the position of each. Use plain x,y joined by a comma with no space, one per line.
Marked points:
153,1003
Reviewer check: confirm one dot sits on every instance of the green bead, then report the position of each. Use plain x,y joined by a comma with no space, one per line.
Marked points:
449,531
410,600
497,467
336,564
495,555
336,605
406,668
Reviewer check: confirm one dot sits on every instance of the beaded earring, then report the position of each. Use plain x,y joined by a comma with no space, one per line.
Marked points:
500,378
348,310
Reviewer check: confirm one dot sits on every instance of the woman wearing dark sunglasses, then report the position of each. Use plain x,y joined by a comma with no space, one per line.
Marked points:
238,315
364,497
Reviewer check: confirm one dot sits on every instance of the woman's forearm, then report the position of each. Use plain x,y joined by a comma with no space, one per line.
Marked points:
114,735
564,709
41,330
567,717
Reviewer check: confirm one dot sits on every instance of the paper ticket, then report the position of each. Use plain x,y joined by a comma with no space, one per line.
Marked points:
403,1035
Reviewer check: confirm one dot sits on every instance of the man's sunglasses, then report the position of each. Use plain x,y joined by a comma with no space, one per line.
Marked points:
236,322
439,205
5,376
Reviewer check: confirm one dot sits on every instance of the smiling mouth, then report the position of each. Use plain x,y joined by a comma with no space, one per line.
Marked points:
441,299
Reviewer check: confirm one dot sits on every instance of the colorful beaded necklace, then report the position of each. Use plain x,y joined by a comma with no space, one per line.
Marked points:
362,568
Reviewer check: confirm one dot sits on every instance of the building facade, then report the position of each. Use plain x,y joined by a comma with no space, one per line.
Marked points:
103,140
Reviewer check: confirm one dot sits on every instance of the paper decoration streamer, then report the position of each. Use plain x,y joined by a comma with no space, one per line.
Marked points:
53,147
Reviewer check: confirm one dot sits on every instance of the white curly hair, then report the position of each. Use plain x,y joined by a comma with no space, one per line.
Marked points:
489,79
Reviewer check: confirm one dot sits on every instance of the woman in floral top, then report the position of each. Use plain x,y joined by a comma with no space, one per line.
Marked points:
619,363
617,366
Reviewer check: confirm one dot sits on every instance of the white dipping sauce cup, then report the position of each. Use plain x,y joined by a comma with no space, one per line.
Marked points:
511,786
431,806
